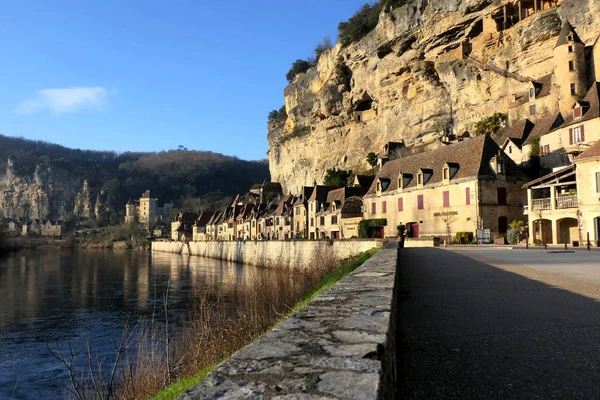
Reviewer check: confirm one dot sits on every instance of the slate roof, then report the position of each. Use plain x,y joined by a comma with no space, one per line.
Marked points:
304,195
364,180
517,132
473,157
204,218
564,32
590,153
544,126
187,217
593,111
320,193
214,220
339,196
544,85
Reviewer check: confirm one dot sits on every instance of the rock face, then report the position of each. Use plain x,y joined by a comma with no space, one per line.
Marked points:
48,193
83,203
422,71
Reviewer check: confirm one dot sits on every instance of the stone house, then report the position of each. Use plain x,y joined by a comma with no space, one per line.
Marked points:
332,218
521,153
301,212
316,204
511,139
199,231
462,187
282,218
12,225
212,226
182,226
564,206
580,128
147,211
43,227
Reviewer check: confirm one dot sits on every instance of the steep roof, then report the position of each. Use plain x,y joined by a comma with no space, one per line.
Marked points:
544,126
517,132
564,33
284,203
544,85
320,193
305,194
204,218
591,152
592,98
473,157
339,196
364,180
146,194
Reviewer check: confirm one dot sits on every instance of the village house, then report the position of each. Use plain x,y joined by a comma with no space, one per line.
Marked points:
12,226
212,226
564,206
462,187
301,213
43,227
199,232
182,226
281,219
316,203
334,219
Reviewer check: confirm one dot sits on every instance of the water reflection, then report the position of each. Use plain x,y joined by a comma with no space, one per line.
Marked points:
77,295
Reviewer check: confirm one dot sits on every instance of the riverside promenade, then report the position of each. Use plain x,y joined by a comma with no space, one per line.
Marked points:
499,324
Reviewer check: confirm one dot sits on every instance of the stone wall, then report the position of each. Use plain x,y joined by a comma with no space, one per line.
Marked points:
330,349
297,253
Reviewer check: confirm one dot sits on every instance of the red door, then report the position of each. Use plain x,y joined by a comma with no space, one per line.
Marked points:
414,228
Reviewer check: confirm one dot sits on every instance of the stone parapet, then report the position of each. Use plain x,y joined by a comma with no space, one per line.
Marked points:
327,350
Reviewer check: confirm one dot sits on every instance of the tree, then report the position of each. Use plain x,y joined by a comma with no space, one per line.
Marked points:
336,177
360,24
372,160
298,67
398,153
491,125
278,115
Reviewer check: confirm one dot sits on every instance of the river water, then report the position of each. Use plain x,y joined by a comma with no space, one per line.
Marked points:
53,297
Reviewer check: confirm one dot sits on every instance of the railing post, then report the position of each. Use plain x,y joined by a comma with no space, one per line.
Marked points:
527,241
588,241
565,239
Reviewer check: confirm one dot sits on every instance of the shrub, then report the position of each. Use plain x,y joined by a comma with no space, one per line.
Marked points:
464,237
513,235
491,125
360,24
364,226
322,48
298,67
278,115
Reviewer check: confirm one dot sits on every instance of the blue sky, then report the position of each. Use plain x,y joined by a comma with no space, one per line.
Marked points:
151,75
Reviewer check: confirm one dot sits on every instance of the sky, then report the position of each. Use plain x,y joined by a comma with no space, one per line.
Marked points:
150,75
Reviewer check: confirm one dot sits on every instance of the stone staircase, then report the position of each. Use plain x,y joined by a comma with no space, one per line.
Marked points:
502,72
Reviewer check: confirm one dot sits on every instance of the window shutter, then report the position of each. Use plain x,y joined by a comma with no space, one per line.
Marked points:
597,182
468,196
400,204
446,199
570,135
420,202
582,133
384,207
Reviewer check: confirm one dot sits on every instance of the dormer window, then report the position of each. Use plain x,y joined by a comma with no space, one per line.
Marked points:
420,178
570,37
531,93
404,180
500,167
577,111
570,49
378,187
446,173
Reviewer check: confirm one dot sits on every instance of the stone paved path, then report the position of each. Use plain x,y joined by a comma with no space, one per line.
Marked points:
470,330
325,351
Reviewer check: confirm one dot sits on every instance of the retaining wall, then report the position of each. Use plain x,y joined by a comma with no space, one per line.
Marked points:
331,349
297,253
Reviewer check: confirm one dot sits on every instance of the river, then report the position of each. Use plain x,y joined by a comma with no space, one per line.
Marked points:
53,297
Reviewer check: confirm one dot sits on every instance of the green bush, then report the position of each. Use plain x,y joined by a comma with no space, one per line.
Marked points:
364,21
464,237
364,226
513,235
298,67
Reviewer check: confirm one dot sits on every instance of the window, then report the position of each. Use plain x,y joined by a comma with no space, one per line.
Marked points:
532,93
499,167
545,149
420,202
509,149
400,204
312,222
311,206
334,220
384,207
501,196
446,198
468,196
446,173
573,89
420,179
577,112
532,109
298,211
597,182
570,37
571,65
576,135
373,208
379,186
322,221
570,49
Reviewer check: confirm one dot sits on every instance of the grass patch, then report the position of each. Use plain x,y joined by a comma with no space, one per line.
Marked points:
324,284
173,391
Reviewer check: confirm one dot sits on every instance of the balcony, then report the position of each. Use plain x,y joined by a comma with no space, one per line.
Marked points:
562,202
566,202
541,204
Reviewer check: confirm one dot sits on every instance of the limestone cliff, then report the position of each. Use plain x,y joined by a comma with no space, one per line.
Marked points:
428,67
48,193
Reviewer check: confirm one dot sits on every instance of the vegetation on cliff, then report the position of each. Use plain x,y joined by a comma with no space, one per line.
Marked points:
177,175
364,21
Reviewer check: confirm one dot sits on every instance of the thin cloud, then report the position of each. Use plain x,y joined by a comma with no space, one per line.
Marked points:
67,100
